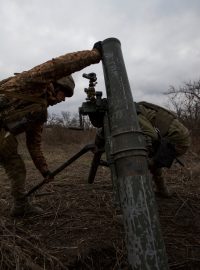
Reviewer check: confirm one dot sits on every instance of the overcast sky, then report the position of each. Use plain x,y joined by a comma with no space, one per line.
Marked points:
160,40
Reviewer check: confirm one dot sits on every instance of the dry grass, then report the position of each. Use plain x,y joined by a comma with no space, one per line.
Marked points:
79,229
61,136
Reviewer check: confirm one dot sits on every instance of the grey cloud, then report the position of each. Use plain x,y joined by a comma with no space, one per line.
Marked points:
160,40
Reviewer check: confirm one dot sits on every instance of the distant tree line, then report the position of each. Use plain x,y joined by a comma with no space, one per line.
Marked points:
185,101
68,120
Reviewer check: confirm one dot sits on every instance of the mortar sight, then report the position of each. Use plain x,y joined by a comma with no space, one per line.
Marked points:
90,76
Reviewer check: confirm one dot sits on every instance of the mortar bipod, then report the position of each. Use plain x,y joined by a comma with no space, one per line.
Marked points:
96,161
85,149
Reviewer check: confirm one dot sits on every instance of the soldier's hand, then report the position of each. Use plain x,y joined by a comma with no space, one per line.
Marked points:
98,46
47,176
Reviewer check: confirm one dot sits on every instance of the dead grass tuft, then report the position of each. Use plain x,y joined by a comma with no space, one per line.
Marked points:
59,135
79,229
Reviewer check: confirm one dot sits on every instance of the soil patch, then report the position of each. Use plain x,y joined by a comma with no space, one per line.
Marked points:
79,228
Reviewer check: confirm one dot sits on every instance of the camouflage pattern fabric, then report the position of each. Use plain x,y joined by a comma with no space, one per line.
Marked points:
177,133
157,113
12,163
29,92
33,142
38,78
171,128
147,128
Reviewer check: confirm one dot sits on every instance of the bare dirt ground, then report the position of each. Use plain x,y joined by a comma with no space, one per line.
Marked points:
79,228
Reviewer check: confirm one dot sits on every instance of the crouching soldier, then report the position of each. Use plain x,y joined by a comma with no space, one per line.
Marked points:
23,108
166,139
165,136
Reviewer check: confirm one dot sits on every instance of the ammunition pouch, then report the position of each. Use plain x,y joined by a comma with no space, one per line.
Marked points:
15,116
18,126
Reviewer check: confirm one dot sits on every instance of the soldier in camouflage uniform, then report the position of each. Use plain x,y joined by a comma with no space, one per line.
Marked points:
22,112
166,139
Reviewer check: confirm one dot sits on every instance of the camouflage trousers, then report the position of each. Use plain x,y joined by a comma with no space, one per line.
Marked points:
12,162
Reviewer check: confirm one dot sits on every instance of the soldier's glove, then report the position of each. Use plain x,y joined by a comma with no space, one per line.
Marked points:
47,176
165,154
98,46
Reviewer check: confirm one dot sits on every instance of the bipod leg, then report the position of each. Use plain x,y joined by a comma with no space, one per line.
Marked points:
85,149
103,163
94,166
99,150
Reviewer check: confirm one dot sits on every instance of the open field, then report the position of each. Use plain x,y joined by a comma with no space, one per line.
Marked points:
79,228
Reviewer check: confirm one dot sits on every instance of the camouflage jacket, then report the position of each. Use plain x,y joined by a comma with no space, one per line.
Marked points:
37,82
152,118
33,142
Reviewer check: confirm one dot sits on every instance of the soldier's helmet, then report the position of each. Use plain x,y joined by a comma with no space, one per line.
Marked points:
67,85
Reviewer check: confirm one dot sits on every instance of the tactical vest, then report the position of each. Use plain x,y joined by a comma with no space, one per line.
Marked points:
16,116
163,117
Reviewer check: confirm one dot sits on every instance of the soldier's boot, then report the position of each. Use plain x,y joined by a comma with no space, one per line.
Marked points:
161,187
22,208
